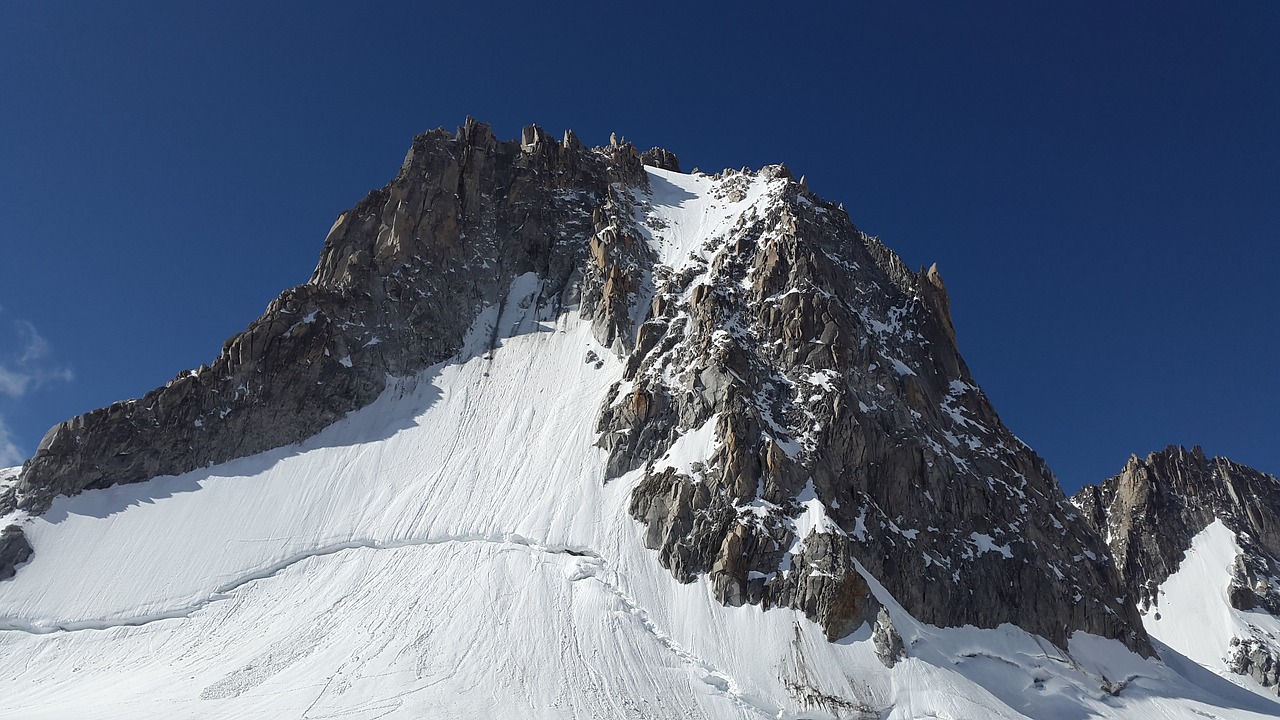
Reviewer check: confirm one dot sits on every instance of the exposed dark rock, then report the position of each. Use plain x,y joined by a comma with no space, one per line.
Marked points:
934,292
14,550
1257,659
887,641
661,159
400,280
831,374
1155,507
852,440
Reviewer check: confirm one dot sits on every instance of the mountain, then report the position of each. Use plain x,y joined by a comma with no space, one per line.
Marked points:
561,431
1198,540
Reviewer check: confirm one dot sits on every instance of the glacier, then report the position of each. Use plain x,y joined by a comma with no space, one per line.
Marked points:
452,551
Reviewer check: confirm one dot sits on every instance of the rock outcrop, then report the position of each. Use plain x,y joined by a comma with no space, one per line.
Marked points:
14,550
402,277
887,641
851,443
1151,511
660,158
1155,507
1256,658
850,438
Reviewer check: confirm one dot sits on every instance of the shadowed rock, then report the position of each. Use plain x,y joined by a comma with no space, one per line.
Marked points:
401,278
829,370
14,550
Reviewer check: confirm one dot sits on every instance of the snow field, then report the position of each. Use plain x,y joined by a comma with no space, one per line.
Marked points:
451,551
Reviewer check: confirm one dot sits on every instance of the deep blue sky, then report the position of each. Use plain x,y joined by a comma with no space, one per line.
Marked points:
1099,182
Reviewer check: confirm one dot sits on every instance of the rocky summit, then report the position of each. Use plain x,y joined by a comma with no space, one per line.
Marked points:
1151,513
693,439
848,430
402,277
849,435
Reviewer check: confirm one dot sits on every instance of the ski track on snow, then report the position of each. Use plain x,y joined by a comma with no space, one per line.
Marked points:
222,592
719,681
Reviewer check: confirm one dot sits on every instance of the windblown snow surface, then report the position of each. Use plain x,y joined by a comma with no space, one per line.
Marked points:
451,551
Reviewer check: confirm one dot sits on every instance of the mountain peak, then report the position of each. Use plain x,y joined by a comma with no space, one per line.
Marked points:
1155,511
748,310
699,426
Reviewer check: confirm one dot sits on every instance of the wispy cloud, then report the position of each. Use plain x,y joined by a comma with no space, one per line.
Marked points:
31,364
12,383
10,454
34,347
27,362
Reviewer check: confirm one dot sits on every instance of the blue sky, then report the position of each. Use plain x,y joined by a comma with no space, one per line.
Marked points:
1099,182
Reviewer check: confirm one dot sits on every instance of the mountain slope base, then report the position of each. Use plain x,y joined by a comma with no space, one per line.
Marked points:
487,572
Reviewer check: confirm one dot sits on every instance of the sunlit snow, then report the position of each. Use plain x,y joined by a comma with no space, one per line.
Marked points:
1193,616
453,551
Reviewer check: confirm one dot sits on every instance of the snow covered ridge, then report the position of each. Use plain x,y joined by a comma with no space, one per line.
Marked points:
693,441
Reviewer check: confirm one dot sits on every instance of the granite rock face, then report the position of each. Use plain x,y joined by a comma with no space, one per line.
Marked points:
14,550
850,438
852,445
660,158
402,277
887,641
1256,658
1155,507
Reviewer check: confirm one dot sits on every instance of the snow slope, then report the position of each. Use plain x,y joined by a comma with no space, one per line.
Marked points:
452,551
1194,616
692,210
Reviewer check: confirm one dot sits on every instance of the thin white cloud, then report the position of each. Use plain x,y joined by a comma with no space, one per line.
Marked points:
34,347
26,363
12,383
31,364
10,454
